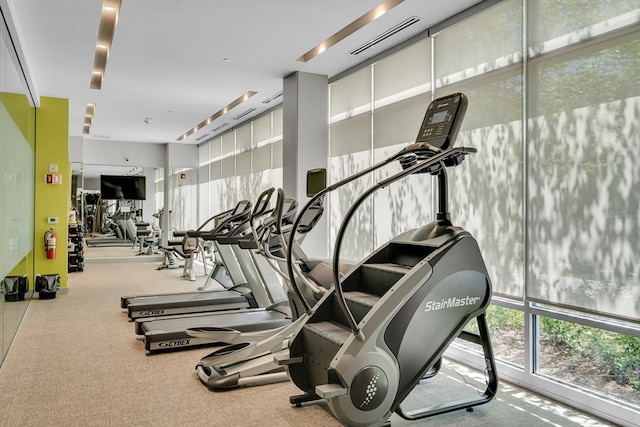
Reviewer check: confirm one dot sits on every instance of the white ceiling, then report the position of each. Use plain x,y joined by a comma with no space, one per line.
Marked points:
167,58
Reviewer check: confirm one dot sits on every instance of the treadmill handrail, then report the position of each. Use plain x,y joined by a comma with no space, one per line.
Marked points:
198,231
193,238
222,229
440,159
261,209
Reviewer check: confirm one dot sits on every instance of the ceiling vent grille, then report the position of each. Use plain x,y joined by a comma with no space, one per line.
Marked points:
220,127
241,115
200,138
390,32
273,98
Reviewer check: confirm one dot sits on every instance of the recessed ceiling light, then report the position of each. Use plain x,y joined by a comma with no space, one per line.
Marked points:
88,118
106,30
220,112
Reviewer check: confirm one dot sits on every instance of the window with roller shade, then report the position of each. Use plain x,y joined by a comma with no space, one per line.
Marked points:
551,196
243,162
350,139
486,193
183,183
203,182
401,94
158,184
215,176
583,155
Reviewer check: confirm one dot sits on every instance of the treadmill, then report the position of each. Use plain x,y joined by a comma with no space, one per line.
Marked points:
170,332
234,296
125,235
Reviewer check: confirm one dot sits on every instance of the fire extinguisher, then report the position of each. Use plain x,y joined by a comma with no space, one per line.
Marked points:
50,243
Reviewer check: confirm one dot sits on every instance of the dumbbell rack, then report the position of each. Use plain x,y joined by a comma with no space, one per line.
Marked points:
76,252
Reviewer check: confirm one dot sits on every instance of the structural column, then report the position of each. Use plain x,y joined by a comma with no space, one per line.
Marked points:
305,143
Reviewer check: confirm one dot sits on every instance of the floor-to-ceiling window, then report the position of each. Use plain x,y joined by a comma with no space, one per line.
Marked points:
482,58
373,114
183,186
552,195
240,164
183,195
584,230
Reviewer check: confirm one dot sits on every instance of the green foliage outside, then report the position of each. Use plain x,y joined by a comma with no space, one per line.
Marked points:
503,319
615,354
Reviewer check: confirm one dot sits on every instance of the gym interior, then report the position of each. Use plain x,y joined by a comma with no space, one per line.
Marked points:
484,271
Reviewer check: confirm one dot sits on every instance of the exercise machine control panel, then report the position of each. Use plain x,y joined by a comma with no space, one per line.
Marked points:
442,121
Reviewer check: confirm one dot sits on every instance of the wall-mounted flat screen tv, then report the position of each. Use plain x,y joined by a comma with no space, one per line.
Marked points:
115,187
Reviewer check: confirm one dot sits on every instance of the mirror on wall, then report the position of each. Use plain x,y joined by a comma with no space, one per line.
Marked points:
114,227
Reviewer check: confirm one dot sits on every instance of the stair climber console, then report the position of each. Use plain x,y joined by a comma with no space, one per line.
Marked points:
385,325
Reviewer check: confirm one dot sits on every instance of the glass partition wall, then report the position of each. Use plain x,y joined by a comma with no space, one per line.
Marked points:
17,130
552,195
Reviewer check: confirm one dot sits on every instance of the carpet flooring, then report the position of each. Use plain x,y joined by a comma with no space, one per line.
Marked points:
76,361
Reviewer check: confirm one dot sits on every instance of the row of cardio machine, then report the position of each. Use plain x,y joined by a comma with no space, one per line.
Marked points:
359,335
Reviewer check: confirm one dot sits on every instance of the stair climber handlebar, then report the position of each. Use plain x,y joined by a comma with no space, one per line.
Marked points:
430,153
435,164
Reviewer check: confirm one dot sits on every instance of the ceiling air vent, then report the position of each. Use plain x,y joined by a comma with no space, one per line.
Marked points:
273,98
220,127
241,115
390,32
202,137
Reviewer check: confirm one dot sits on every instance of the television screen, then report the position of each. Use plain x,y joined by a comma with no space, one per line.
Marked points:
115,187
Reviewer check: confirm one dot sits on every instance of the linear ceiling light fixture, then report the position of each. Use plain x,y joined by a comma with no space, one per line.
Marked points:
88,118
365,19
106,30
214,116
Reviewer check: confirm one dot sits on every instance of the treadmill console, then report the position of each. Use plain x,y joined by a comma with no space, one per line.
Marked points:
442,121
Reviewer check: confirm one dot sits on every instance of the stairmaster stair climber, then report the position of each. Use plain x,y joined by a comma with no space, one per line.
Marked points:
385,326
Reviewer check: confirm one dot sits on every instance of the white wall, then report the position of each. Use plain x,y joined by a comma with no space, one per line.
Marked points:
119,153
76,149
182,155
149,156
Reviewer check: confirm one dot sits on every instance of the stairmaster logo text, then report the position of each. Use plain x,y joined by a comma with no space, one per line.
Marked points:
450,303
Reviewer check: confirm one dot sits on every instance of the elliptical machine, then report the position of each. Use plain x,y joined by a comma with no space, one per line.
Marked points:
384,326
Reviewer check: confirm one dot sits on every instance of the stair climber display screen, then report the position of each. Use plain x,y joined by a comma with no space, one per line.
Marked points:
386,324
442,121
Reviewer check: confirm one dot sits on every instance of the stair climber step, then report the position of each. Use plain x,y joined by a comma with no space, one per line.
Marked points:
377,279
402,253
322,340
359,304
390,267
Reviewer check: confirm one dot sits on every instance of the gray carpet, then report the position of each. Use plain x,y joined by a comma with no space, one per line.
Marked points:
76,362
